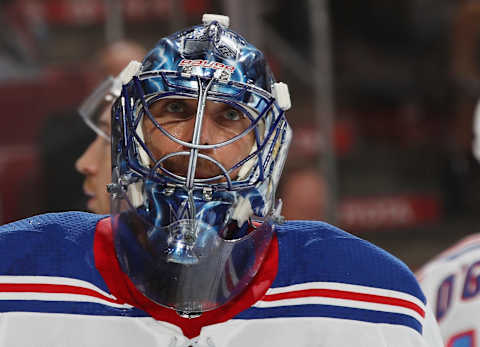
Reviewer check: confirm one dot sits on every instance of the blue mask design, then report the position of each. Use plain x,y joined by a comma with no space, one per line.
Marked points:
179,235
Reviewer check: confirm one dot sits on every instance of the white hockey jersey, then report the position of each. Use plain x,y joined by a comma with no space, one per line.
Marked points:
61,285
451,283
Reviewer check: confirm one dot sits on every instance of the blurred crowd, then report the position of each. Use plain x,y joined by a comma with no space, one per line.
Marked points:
406,78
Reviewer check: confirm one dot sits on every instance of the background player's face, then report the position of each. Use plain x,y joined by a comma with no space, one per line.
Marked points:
96,166
221,122
304,195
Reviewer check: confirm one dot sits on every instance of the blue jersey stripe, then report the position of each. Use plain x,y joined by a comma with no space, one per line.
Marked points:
83,308
328,311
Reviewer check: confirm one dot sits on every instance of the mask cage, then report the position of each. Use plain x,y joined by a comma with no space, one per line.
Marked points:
257,104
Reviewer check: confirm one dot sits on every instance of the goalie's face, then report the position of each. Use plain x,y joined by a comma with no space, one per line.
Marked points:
220,122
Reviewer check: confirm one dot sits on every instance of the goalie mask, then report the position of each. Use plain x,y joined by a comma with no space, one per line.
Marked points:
199,142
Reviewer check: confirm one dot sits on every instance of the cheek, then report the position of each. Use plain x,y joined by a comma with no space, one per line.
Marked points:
179,132
108,165
235,152
161,145
246,144
105,174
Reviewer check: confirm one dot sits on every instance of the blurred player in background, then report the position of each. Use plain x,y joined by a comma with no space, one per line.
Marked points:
95,163
304,195
64,138
115,56
196,252
451,281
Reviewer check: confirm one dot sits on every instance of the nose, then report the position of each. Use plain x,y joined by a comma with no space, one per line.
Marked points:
208,132
86,164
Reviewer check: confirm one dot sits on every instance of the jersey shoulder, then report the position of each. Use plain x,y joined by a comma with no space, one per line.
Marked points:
325,272
463,253
56,244
312,251
450,283
47,265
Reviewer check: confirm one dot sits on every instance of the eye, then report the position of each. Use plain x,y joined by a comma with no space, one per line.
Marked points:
232,114
175,107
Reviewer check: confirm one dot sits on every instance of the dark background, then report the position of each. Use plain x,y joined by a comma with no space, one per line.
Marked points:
405,81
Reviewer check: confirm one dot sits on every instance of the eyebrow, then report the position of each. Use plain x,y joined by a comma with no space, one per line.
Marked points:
219,106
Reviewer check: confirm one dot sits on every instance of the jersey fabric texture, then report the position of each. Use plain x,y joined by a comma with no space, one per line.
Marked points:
451,283
61,285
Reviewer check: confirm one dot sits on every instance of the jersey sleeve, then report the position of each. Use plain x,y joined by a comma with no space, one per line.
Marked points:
328,273
451,283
